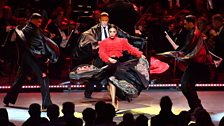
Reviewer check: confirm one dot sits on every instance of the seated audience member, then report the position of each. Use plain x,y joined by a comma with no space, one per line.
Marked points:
221,123
100,108
128,120
35,119
184,118
165,116
4,118
141,120
53,115
203,118
109,113
68,109
89,116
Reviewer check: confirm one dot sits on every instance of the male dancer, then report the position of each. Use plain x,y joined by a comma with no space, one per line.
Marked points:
33,58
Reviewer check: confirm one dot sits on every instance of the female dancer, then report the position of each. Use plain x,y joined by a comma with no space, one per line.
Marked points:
125,77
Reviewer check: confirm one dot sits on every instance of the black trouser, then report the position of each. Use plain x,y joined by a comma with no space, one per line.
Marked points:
37,66
219,73
194,73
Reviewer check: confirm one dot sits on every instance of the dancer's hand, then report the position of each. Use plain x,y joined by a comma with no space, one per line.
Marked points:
44,75
47,61
111,60
143,57
213,33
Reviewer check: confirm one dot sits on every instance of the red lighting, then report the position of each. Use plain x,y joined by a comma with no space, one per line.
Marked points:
175,85
81,86
51,86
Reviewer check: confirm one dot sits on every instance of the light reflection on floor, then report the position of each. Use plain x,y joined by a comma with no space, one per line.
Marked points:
217,117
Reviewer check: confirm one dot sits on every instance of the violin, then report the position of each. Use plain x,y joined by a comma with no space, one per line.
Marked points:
48,33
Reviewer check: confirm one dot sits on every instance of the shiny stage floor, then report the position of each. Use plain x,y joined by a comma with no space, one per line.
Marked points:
147,102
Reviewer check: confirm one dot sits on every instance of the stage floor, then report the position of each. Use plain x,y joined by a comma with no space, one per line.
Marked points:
147,103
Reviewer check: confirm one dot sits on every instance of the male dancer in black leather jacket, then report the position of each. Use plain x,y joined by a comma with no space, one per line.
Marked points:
33,58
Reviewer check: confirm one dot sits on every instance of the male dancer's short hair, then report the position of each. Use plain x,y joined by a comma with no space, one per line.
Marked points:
35,16
104,14
190,18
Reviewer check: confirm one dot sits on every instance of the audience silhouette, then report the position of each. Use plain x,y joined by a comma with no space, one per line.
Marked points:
142,120
166,116
89,116
184,118
108,113
104,113
203,118
128,120
221,123
35,119
53,113
68,109
99,108
150,24
4,118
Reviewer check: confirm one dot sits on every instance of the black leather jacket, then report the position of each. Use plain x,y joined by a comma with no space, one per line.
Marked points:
34,39
93,35
88,43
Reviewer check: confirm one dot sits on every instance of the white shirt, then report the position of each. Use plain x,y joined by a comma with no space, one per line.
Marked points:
64,38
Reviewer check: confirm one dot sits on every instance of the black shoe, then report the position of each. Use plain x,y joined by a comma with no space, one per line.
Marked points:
44,108
6,102
192,111
88,96
128,98
45,105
